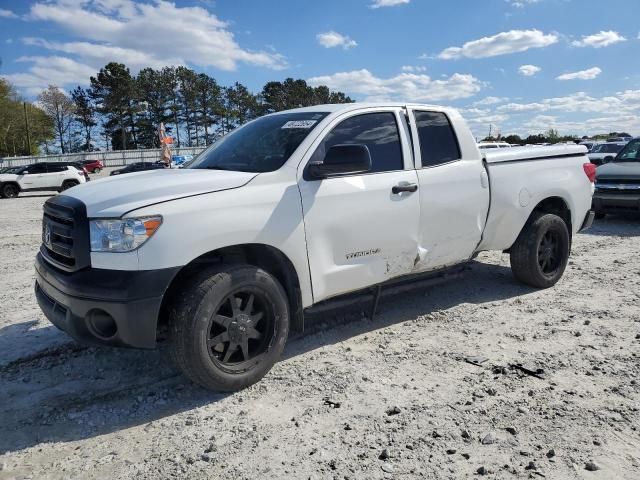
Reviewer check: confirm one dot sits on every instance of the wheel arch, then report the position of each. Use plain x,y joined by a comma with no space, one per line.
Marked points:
263,256
556,205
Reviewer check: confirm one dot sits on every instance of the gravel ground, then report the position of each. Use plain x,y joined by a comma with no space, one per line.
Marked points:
480,376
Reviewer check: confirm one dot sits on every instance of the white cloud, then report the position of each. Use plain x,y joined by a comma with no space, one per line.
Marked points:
528,70
578,113
521,3
99,55
403,87
413,68
334,39
54,70
490,101
388,3
626,101
588,74
599,40
502,43
159,32
4,13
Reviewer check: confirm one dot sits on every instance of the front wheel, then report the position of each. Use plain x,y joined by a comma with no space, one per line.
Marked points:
9,190
228,326
96,170
541,252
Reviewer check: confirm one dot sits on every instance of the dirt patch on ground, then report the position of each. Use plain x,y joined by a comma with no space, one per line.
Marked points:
478,376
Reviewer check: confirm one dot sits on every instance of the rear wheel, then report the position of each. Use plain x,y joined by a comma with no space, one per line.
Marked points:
67,184
540,254
96,170
228,326
10,190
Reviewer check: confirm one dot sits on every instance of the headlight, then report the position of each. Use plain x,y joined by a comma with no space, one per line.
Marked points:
122,235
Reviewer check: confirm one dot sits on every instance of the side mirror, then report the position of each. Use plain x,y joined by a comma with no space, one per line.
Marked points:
342,160
607,159
24,172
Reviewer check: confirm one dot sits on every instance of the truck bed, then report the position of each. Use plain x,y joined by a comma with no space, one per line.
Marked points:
521,177
515,154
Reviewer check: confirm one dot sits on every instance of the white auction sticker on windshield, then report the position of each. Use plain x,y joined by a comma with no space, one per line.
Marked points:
300,124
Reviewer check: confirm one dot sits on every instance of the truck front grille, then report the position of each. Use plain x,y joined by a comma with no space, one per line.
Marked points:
622,185
65,233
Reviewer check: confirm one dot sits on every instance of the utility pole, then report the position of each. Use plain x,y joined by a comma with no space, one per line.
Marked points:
26,125
490,130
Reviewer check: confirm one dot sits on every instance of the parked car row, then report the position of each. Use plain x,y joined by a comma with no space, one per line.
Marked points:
57,176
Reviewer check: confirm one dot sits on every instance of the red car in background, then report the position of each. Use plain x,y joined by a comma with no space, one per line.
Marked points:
93,166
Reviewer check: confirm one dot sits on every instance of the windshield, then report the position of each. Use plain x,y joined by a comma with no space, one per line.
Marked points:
259,146
630,153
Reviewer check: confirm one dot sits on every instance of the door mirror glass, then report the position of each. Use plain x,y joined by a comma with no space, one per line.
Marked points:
342,160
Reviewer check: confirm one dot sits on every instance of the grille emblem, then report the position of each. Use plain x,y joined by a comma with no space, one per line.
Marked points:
47,236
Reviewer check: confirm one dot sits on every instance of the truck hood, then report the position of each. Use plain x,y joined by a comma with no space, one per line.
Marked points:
114,196
618,171
5,177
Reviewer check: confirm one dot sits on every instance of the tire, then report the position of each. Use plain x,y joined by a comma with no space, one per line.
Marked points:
248,339
600,215
96,170
541,252
10,190
67,184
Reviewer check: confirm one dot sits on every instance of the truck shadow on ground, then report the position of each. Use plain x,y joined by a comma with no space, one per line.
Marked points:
74,392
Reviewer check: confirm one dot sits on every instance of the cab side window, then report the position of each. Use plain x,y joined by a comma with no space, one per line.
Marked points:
37,168
438,142
378,131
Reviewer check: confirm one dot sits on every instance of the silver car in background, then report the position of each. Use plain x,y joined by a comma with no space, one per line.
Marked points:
605,152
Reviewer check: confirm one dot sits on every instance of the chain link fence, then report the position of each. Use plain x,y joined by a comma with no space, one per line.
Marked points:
112,158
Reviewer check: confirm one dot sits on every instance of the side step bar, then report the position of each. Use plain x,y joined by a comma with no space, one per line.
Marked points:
374,294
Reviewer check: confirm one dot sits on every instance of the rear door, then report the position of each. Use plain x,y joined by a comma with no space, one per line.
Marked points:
55,176
359,233
454,190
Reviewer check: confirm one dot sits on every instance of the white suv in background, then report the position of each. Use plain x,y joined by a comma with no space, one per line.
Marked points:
38,177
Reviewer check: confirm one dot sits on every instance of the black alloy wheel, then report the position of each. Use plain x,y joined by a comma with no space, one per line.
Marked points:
550,253
241,330
10,191
228,325
540,254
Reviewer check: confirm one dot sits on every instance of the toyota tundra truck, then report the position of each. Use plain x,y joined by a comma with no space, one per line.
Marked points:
293,213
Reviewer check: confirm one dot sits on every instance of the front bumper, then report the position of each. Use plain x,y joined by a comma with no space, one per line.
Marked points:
108,307
617,202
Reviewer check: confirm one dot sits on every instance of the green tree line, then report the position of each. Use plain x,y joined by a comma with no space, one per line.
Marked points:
23,126
550,136
122,111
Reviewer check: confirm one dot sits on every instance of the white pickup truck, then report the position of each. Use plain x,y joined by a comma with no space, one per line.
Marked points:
293,213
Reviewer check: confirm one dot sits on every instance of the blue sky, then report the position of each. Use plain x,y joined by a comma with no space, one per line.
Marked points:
522,66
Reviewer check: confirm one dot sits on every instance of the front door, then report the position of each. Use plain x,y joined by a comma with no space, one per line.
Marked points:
34,178
454,190
359,232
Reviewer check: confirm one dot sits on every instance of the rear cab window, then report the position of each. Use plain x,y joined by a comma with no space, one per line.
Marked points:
438,141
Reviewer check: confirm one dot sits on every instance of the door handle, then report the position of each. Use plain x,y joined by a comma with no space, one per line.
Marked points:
408,187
